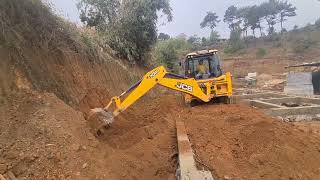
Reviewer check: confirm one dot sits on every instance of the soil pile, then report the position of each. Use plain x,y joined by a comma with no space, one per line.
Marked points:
51,75
237,141
43,138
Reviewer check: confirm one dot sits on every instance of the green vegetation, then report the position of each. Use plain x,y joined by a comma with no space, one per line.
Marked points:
210,20
272,12
301,46
243,19
35,25
235,42
163,36
129,27
170,51
261,53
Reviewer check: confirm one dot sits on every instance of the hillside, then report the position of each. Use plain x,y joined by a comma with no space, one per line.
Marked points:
43,52
53,72
302,43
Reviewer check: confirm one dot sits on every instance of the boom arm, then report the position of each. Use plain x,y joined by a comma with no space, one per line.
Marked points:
159,76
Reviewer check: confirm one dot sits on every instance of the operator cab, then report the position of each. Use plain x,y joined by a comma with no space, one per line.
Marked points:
203,65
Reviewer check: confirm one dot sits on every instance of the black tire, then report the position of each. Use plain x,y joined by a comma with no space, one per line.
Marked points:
225,100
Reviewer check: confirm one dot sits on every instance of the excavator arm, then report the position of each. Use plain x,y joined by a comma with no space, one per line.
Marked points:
157,76
100,118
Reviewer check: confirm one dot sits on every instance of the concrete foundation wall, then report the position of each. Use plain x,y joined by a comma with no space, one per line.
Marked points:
299,84
273,105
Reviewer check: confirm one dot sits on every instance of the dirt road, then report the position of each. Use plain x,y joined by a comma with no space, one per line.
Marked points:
43,138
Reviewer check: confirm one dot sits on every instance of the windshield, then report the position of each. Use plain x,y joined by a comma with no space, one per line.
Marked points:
209,65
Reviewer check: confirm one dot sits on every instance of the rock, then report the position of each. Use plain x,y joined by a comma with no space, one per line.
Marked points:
3,168
49,145
85,165
1,177
90,137
50,155
59,156
84,147
94,143
75,147
11,176
226,177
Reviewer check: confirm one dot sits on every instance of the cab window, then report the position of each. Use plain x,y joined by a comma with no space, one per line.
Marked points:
212,64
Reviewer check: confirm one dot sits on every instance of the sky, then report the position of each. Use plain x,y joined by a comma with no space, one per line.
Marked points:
188,14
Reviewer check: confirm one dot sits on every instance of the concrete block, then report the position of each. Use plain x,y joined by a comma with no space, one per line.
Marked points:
187,164
263,105
282,112
299,84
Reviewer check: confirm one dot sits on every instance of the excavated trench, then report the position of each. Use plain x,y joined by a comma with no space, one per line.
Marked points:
47,89
230,140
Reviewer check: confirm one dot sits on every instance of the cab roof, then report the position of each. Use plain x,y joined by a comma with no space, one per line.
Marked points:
201,53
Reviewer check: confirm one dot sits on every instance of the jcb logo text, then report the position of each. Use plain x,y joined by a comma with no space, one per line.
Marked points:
184,87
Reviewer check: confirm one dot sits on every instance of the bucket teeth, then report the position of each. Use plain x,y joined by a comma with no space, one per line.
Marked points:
100,120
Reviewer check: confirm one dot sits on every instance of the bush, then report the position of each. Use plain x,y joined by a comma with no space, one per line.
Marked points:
261,53
273,37
301,46
129,27
235,43
284,30
168,52
317,23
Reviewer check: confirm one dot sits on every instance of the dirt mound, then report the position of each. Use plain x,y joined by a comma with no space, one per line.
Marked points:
41,51
43,138
238,141
49,72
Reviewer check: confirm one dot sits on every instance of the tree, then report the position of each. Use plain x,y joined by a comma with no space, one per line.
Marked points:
168,52
235,42
204,41
214,37
259,13
244,13
230,17
317,23
254,19
182,36
285,10
210,20
194,39
163,36
128,26
98,13
270,10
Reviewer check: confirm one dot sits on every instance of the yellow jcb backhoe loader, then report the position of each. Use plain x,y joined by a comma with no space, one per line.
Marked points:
213,85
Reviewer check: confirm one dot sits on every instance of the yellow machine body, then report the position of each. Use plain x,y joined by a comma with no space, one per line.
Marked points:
203,90
214,87
218,86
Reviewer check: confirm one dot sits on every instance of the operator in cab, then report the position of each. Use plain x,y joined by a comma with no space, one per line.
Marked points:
202,70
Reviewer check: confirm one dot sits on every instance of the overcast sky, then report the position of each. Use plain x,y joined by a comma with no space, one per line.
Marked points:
187,14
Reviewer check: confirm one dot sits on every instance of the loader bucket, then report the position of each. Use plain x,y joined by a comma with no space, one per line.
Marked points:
100,120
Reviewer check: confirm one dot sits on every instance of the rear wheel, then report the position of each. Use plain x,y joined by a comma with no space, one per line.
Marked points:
225,100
